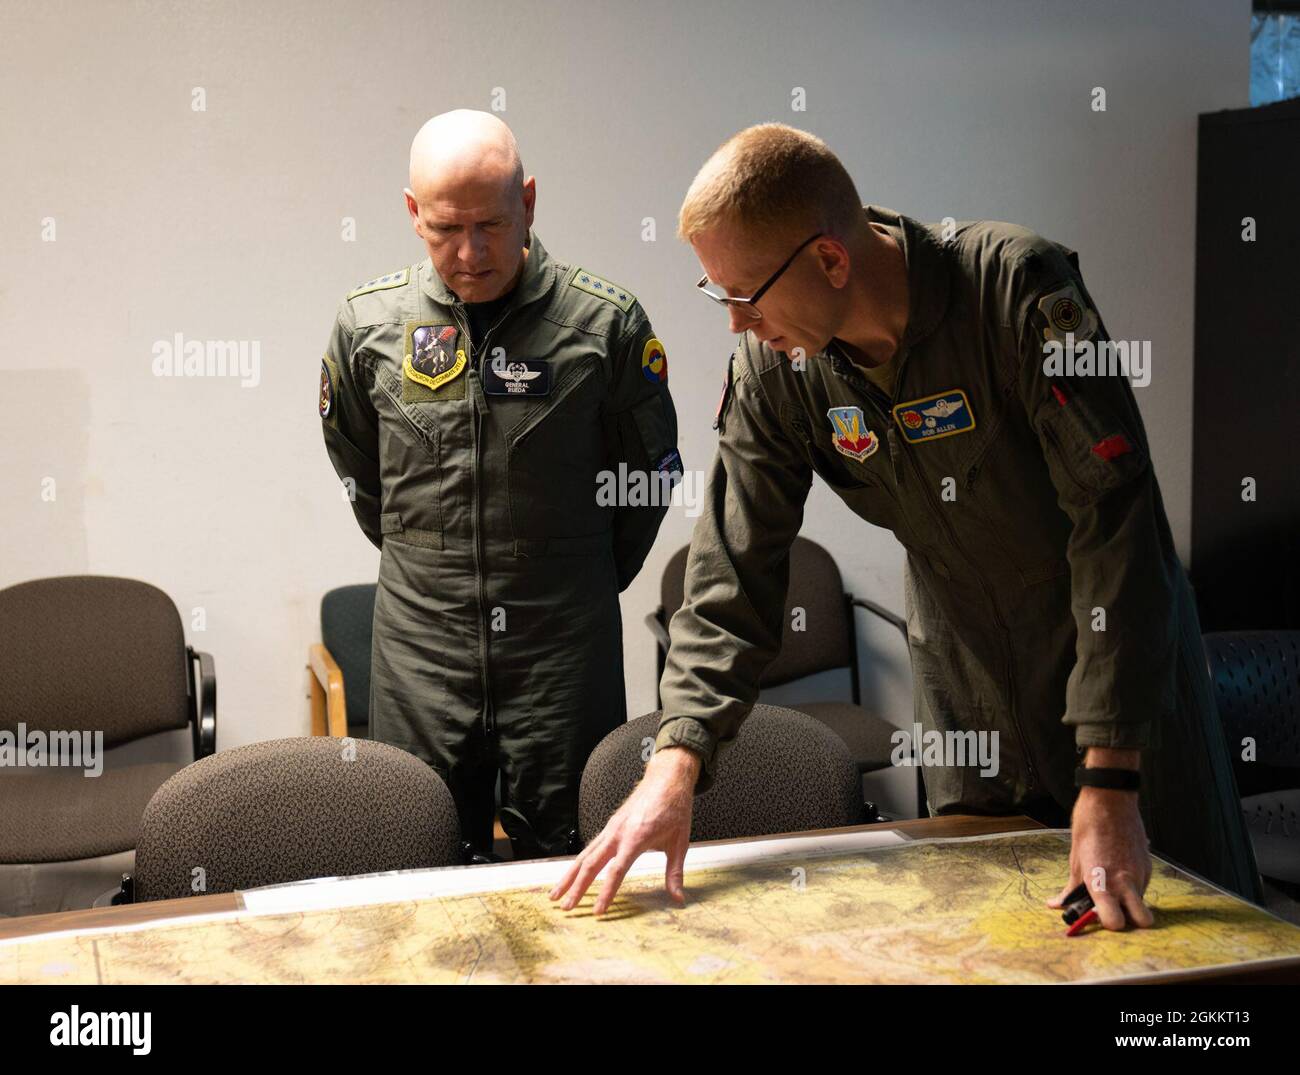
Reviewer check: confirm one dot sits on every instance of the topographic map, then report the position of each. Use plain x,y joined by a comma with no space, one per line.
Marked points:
964,910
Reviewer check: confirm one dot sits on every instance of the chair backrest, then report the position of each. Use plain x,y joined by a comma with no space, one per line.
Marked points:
784,772
293,809
346,628
817,588
1256,678
92,653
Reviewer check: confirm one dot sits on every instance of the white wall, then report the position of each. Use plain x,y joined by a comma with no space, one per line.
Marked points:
226,224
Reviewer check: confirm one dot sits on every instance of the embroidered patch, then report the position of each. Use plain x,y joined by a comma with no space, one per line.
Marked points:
1065,312
520,377
944,414
850,434
654,361
326,401
598,285
670,463
380,283
432,358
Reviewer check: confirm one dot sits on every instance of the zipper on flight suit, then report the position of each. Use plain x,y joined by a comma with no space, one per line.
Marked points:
490,716
897,452
997,616
476,428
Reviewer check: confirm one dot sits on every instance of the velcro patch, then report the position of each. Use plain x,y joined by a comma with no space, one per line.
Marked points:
1064,311
849,433
944,414
329,379
518,377
598,285
670,463
654,361
432,357
381,283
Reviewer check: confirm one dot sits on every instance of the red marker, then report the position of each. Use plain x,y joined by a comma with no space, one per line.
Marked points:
1086,919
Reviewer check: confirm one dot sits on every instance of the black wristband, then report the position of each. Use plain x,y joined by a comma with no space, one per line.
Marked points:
1115,779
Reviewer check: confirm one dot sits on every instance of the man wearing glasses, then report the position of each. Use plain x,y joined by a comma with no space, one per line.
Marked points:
916,369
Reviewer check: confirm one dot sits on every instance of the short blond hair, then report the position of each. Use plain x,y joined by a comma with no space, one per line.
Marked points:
769,176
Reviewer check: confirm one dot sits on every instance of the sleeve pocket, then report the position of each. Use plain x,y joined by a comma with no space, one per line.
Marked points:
1088,453
653,432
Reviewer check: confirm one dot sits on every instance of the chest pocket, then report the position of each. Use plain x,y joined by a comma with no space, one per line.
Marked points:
984,436
864,485
418,421
841,472
409,451
554,454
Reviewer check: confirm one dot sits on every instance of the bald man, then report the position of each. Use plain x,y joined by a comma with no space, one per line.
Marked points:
474,403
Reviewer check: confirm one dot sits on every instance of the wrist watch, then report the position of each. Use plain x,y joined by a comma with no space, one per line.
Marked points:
1116,779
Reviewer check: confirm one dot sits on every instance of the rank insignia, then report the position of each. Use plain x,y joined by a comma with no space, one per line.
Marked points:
654,361
598,285
933,417
432,358
326,391
1065,312
850,433
381,283
520,377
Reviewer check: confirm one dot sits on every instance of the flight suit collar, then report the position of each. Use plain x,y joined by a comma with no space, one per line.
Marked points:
927,276
535,281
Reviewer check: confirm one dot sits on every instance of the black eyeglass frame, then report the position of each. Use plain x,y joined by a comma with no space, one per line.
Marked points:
749,305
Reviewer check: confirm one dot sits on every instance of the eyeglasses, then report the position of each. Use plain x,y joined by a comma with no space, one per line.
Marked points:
749,306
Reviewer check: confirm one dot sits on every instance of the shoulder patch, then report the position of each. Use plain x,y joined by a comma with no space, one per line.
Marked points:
381,283
327,403
1064,312
598,285
654,361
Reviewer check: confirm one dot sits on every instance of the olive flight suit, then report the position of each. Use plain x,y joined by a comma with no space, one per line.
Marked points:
1044,597
473,465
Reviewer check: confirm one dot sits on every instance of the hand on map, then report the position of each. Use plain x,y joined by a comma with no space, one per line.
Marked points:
656,817
1107,833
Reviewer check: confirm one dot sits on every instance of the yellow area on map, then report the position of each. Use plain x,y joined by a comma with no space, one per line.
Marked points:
960,911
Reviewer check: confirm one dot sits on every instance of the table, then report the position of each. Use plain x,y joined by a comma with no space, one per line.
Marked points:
847,906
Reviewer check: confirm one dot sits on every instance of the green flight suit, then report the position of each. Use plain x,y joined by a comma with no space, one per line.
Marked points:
1025,502
474,464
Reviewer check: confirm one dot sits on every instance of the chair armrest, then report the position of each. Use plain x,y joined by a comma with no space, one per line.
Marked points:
203,702
882,612
327,685
657,629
